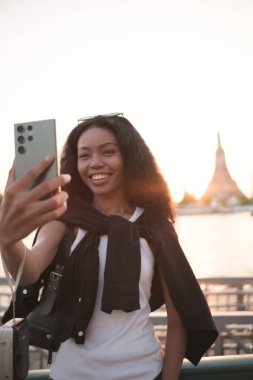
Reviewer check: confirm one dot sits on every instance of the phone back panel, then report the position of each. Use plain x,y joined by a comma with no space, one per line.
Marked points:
33,141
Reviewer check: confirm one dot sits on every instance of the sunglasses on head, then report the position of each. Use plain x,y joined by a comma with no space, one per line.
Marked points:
104,115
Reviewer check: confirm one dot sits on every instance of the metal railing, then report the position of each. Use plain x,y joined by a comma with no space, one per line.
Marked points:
235,331
228,293
231,303
214,368
222,293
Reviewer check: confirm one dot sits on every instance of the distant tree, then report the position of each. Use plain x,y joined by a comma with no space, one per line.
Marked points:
188,199
246,201
207,199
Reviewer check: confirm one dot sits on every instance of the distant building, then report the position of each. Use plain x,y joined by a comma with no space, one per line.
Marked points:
222,189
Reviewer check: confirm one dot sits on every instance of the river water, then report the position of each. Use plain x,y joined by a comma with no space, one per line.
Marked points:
218,244
215,245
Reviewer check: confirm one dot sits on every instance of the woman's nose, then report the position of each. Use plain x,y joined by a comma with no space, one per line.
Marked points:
96,161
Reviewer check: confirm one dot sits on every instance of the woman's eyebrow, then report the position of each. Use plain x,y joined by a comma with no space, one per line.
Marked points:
101,146
109,143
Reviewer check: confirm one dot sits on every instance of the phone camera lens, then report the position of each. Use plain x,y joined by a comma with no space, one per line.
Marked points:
21,150
21,139
30,138
30,127
21,129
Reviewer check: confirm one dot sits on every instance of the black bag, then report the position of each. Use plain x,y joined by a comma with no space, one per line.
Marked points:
41,320
36,302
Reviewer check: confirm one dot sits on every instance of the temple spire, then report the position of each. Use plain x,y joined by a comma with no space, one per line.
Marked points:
222,188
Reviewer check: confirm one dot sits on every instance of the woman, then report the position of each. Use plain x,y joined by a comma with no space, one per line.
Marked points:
125,260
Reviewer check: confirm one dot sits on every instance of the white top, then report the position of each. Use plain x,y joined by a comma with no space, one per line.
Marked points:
120,345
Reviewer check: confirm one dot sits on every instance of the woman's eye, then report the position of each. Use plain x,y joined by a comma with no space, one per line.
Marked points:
109,152
83,156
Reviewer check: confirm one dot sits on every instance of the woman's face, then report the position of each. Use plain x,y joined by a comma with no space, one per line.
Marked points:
100,163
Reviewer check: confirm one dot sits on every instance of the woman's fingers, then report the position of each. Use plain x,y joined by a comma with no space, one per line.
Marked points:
20,217
24,182
45,188
23,209
11,176
52,203
41,212
27,206
51,215
14,187
48,187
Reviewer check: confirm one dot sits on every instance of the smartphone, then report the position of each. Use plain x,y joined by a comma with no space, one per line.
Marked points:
33,142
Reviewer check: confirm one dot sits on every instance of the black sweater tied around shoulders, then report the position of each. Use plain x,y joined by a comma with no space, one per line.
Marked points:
77,295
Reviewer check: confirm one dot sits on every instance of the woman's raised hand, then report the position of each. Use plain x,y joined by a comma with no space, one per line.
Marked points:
23,210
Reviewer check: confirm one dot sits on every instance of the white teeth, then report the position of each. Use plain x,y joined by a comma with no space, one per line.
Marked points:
99,176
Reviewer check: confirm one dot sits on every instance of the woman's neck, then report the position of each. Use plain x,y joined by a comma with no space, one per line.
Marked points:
114,207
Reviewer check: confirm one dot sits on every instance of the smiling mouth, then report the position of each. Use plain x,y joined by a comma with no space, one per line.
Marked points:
97,177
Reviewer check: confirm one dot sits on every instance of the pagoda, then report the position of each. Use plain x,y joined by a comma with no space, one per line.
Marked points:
222,189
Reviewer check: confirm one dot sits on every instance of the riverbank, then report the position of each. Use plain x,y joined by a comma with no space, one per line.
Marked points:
205,210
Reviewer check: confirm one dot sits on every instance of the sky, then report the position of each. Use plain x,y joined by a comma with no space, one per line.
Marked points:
179,70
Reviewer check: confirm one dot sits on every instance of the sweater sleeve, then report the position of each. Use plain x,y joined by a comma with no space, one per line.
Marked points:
184,290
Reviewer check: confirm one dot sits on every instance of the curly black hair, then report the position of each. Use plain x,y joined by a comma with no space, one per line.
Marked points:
144,184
